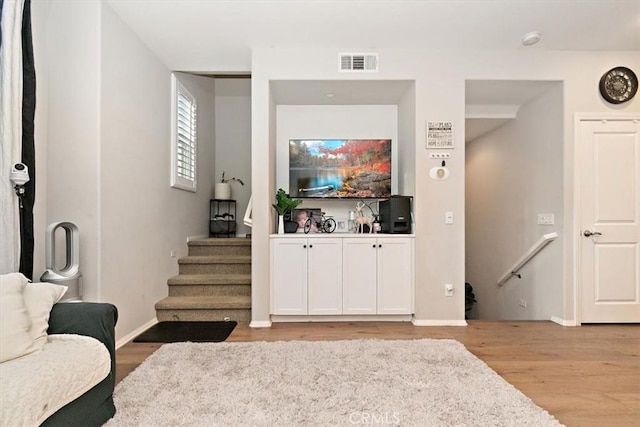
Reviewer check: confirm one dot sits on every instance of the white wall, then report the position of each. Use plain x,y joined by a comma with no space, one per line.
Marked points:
233,136
337,122
108,147
72,166
439,95
142,218
513,174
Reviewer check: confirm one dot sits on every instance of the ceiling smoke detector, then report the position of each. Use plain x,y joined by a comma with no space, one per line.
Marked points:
531,38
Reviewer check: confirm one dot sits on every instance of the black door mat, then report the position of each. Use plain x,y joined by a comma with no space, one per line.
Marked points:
187,331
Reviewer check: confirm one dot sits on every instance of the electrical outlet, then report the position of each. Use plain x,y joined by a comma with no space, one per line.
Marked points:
448,290
522,303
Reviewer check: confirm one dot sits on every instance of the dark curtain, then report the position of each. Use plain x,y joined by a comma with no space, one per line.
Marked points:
1,4
28,146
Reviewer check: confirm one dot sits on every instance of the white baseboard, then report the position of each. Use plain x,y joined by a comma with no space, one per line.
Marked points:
260,324
563,322
417,322
343,318
130,336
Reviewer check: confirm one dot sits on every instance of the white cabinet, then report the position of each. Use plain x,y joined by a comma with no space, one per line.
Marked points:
306,276
359,276
289,276
395,276
342,275
378,275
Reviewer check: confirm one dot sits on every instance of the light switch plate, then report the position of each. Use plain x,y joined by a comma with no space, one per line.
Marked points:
546,219
448,217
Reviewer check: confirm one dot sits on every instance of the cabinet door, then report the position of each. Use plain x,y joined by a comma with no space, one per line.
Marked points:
325,275
359,276
395,276
289,276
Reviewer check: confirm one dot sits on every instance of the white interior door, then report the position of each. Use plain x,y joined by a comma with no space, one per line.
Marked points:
609,220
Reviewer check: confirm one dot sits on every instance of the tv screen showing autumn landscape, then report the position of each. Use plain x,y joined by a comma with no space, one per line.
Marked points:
345,168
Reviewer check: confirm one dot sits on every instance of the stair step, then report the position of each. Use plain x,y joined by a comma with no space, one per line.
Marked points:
210,279
232,241
220,246
205,303
215,259
243,315
236,308
203,264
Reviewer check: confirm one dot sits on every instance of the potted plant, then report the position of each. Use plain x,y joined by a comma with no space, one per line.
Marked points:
223,188
284,205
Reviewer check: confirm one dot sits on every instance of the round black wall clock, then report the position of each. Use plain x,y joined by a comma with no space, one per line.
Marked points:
618,85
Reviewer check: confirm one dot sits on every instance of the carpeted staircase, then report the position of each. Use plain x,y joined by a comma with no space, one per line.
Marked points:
214,283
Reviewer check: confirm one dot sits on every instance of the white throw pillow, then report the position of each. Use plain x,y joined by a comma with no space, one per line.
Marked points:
15,340
39,298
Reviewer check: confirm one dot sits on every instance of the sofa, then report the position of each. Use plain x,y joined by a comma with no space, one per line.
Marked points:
62,372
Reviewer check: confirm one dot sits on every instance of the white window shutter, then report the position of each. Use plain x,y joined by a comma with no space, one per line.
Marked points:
184,138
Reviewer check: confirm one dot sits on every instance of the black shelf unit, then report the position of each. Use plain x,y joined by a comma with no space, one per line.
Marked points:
222,218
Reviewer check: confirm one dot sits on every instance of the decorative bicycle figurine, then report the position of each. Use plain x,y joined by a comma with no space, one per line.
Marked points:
324,224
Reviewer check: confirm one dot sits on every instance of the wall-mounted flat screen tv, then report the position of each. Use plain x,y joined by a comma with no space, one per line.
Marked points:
341,168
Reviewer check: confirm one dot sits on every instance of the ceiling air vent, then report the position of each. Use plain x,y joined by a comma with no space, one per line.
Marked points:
358,62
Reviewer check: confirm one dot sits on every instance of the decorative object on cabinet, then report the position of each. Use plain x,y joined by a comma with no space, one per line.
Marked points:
290,226
395,215
320,222
222,218
223,188
618,85
300,216
362,220
285,205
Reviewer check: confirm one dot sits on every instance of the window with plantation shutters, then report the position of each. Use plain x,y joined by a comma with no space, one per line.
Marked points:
184,138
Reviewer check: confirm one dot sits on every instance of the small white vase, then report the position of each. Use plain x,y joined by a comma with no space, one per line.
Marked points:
280,224
222,191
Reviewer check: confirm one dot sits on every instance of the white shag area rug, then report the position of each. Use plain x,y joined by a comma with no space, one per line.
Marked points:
321,383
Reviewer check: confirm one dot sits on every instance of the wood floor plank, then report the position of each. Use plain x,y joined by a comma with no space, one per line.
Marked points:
584,376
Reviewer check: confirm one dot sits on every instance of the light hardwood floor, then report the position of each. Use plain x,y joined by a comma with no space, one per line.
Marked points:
584,376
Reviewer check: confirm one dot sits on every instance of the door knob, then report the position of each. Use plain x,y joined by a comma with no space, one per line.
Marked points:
589,233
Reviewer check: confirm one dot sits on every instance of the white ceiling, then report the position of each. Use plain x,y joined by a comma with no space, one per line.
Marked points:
217,35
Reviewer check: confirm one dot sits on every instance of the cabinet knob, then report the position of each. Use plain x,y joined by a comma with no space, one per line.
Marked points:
374,245
379,246
310,246
304,246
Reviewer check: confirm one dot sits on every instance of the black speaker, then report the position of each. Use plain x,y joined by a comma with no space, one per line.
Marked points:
395,215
